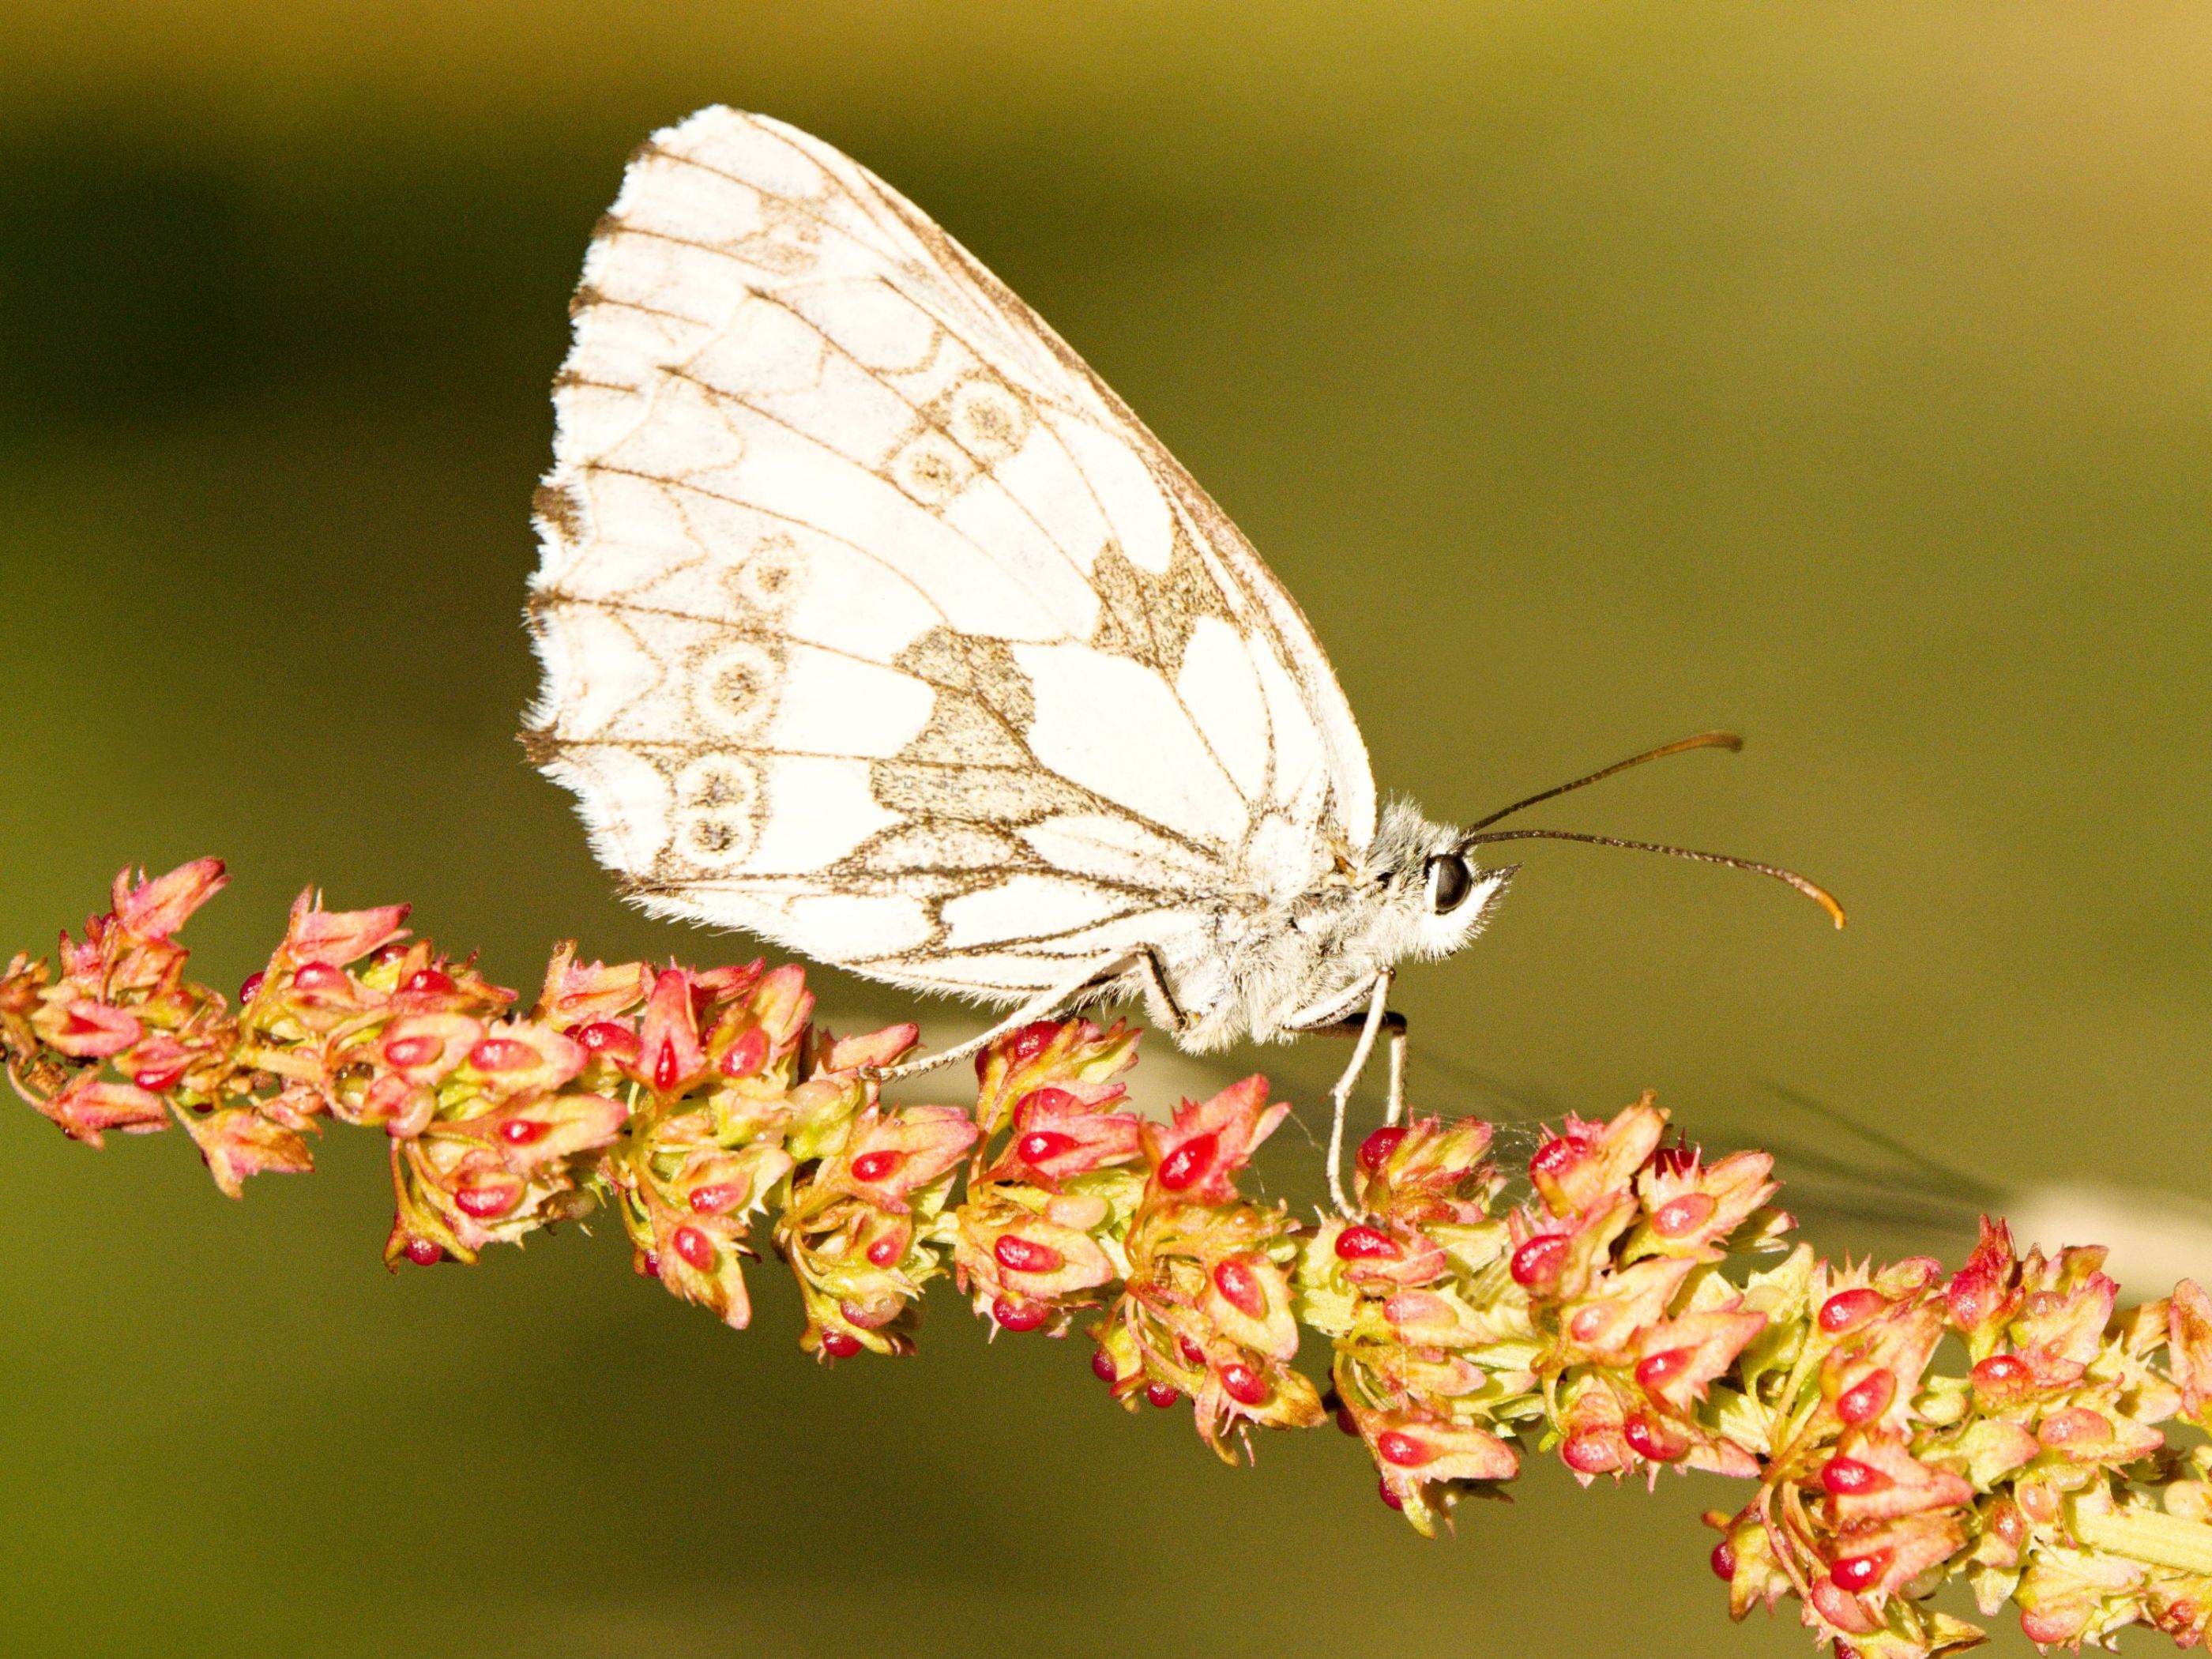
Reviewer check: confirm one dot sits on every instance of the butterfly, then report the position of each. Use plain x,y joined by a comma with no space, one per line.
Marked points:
874,624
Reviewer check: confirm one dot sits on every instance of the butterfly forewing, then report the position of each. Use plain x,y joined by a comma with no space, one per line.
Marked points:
872,623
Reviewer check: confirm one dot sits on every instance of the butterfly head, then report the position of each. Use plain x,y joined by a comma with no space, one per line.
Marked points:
1434,896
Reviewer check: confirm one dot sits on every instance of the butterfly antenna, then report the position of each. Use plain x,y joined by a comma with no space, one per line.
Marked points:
1812,889
1727,740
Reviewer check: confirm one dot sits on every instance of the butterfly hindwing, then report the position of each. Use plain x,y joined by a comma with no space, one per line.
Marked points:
874,624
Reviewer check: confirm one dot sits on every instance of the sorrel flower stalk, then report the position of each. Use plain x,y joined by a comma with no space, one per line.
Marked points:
1614,1319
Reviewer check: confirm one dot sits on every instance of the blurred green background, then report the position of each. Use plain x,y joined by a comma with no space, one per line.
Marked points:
1594,373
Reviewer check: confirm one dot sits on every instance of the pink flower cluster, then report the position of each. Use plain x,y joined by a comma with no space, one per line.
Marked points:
1612,1317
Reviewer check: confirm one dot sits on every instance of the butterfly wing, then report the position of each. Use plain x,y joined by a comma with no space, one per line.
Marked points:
874,624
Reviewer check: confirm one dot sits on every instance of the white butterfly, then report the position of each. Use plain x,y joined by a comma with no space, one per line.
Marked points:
874,623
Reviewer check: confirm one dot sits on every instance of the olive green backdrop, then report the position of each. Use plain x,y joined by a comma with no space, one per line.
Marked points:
1593,372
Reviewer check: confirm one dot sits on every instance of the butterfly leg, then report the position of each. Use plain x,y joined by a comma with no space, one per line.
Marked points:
1367,1029
1048,1006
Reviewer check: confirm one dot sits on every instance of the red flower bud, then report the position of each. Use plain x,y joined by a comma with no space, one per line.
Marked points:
1683,1215
1856,1572
523,1131
1537,1261
1161,1394
1031,1040
317,977
493,1198
1102,1366
839,1345
2000,1370
665,1066
695,1248
252,985
1389,1497
602,1034
1243,1384
1039,1145
1025,1256
1182,1167
1724,1559
1378,1146
425,1253
715,1198
1367,1244
884,1252
1868,1399
1345,1422
502,1054
1191,1352
1014,1315
429,980
1558,1153
1650,1438
1846,1311
406,1051
1654,1372
871,1167
1242,1288
1591,1452
747,1055
1846,1477
1403,1449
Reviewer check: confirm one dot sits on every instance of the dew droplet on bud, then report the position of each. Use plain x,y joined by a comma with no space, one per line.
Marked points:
695,1248
1184,1167
1846,1477
1537,1261
1014,1315
1102,1366
1846,1311
252,984
1389,1497
524,1131
1724,1560
424,1252
1242,1384
1163,1395
429,981
886,1251
1367,1244
1025,1256
1866,1399
839,1345
871,1167
317,977
1855,1573
1378,1146
1242,1287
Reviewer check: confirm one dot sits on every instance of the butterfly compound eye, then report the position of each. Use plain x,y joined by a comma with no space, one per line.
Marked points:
1450,883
